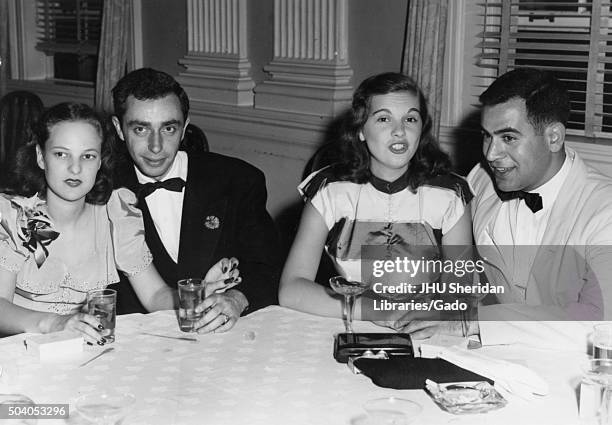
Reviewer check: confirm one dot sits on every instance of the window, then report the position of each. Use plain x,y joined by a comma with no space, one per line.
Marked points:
69,32
573,39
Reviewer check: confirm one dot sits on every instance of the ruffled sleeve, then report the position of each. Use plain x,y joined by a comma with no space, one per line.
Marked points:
316,190
132,254
12,253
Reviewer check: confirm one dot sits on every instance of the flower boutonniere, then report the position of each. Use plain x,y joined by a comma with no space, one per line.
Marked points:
34,226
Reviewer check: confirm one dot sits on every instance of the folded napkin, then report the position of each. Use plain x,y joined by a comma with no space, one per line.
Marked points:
410,373
512,377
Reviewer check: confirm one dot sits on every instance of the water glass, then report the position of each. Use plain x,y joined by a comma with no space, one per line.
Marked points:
602,341
596,391
191,293
102,304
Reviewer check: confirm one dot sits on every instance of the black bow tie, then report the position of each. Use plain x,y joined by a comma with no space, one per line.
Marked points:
532,200
175,184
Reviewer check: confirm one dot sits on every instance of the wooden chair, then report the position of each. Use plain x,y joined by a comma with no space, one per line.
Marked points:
195,140
326,154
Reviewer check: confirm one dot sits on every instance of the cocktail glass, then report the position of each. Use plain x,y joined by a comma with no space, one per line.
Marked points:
350,289
106,408
599,371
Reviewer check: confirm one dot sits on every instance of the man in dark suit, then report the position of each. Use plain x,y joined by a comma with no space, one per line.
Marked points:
198,207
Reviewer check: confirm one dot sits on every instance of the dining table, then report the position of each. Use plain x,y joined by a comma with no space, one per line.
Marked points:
275,366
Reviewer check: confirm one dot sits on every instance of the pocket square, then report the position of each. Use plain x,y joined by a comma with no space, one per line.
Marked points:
212,222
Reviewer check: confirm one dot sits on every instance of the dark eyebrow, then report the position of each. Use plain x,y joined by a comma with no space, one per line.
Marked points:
388,111
507,130
140,123
148,124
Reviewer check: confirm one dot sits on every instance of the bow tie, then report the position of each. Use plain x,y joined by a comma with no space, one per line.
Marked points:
175,184
532,200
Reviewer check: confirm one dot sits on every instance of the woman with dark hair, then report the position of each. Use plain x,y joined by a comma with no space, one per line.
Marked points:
67,232
391,189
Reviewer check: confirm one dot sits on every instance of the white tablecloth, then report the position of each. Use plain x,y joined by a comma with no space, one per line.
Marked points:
274,367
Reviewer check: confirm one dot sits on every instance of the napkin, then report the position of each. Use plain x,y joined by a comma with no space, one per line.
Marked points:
410,373
512,377
55,346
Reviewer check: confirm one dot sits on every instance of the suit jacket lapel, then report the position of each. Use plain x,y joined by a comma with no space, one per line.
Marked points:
484,214
566,208
202,218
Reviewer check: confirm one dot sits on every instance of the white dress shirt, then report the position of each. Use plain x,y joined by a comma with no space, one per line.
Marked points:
166,206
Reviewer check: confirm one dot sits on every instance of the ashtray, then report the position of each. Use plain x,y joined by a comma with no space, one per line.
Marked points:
465,397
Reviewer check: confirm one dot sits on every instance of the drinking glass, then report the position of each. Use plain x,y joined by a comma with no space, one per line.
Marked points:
18,399
102,304
599,371
391,411
602,341
191,294
350,289
106,408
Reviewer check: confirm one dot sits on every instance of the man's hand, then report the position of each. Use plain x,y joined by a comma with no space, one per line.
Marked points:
221,311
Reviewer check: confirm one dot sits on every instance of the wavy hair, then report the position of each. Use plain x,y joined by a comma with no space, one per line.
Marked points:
546,98
147,84
354,164
30,178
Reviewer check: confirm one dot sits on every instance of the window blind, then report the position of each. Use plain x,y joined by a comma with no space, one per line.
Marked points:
570,38
69,26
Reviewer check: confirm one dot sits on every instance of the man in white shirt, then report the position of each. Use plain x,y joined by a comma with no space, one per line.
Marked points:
542,218
197,206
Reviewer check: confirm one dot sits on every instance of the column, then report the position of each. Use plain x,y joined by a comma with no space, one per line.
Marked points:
217,67
309,72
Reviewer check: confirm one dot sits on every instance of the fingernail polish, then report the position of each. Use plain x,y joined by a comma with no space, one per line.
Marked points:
229,280
103,340
224,269
100,343
89,343
234,266
100,327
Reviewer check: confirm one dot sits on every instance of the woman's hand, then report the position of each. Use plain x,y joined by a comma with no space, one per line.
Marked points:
84,323
222,276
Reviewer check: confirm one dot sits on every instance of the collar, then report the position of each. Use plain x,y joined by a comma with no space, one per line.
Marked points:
390,187
550,190
177,169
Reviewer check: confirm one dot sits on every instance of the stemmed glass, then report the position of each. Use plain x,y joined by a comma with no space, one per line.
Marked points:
105,408
599,371
350,289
